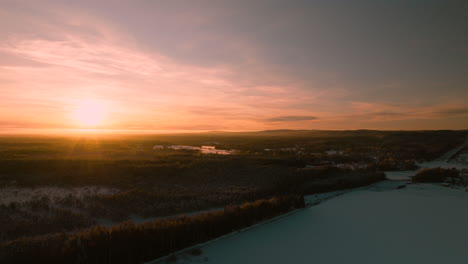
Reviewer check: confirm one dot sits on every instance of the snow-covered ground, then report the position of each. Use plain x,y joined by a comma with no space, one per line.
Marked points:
447,156
400,175
420,223
406,175
445,161
24,194
387,222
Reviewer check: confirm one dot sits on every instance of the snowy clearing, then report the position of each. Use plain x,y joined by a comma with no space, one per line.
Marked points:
446,161
420,223
400,175
24,194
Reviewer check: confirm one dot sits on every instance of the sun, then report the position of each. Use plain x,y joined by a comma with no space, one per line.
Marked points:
89,113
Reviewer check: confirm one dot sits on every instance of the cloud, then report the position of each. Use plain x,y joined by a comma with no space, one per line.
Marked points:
378,112
388,114
82,54
455,111
291,118
213,110
28,124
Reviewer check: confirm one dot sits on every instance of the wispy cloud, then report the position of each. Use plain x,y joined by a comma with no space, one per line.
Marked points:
386,112
453,111
77,53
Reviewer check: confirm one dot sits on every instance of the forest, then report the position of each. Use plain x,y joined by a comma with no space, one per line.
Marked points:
103,189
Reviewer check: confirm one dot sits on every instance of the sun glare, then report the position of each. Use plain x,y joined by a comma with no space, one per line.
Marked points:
89,113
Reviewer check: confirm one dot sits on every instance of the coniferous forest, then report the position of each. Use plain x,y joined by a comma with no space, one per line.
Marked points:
130,199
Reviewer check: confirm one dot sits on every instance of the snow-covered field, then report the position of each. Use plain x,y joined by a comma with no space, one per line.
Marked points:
23,194
406,175
420,223
447,161
400,175
443,164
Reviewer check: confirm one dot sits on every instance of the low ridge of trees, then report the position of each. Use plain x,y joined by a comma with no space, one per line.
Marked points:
136,243
435,175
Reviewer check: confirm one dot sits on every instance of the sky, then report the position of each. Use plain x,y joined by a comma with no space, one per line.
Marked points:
233,65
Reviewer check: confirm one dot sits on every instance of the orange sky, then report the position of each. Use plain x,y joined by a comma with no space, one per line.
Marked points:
160,66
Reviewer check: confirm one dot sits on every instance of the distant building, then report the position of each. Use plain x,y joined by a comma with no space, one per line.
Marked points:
352,166
208,147
217,151
203,149
178,147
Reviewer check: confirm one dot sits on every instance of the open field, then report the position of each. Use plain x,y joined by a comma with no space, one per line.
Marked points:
421,223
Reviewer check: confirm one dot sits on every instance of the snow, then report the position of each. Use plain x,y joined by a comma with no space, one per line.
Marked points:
400,175
421,223
446,161
406,175
387,222
322,197
334,152
24,194
442,164
462,158
447,156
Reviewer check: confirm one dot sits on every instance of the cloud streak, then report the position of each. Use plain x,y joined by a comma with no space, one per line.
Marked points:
453,111
77,53
291,118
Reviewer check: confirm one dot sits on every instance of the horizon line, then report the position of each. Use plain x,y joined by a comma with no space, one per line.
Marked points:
54,131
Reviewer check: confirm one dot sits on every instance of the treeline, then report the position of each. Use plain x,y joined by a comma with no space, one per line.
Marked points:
42,215
327,179
192,169
137,243
18,220
155,188
402,145
436,175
